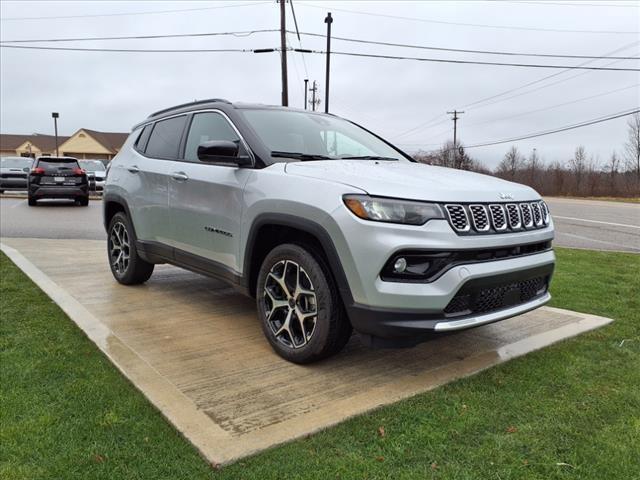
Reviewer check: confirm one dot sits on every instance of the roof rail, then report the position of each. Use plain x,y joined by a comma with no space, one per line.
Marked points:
189,104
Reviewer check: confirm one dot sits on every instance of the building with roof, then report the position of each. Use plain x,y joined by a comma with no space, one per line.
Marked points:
83,144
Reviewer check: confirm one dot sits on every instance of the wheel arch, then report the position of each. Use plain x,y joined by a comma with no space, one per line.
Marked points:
275,229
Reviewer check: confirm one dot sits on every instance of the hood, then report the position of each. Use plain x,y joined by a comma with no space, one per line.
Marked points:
414,181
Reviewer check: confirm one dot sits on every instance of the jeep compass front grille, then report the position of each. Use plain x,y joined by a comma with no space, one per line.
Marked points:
496,217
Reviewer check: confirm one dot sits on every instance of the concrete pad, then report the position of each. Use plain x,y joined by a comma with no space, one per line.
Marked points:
194,347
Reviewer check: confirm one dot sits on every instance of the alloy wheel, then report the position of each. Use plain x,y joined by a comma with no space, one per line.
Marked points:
119,248
290,303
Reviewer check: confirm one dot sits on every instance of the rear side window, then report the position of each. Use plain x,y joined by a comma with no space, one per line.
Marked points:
164,141
51,164
205,127
141,143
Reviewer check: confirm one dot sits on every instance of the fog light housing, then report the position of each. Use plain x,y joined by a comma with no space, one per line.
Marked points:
413,266
400,265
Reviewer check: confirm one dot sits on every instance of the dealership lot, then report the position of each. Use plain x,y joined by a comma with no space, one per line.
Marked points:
195,349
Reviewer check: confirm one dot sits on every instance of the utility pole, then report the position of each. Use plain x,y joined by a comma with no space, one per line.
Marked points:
283,53
55,116
328,20
455,118
314,102
306,89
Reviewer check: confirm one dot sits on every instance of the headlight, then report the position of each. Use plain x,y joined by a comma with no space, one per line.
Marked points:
391,210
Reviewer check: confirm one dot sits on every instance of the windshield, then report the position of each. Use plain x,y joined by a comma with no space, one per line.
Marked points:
315,137
16,162
92,165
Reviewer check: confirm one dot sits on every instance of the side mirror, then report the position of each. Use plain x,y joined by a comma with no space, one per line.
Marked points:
221,151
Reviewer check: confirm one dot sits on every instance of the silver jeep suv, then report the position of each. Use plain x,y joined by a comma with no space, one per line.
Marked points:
330,227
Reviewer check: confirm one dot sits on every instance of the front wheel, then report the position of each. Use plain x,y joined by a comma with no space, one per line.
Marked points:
126,265
298,303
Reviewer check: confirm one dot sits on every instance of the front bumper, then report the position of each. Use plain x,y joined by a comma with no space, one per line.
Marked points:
498,296
398,309
13,184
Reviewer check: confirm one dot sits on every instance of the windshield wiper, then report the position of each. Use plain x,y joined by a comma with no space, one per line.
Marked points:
369,157
300,156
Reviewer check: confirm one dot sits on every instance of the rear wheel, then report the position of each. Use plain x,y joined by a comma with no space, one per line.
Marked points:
126,265
32,202
83,201
300,309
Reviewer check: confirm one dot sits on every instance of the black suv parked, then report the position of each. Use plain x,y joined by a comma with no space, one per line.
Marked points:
58,177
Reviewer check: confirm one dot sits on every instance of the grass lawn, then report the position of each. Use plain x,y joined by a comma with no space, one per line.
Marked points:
569,411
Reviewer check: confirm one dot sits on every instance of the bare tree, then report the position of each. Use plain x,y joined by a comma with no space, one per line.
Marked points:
632,147
578,166
510,164
534,165
612,169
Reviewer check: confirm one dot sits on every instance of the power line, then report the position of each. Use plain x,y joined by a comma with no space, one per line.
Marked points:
141,50
153,12
539,80
471,105
476,25
550,107
460,50
558,130
471,62
244,33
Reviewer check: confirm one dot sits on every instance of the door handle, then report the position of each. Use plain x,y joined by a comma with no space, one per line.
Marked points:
180,176
133,169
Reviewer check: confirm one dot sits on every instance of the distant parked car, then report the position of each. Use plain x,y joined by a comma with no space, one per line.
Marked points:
97,170
58,177
14,172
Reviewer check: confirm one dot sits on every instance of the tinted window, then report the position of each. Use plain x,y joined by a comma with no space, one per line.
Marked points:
204,127
55,164
141,143
165,138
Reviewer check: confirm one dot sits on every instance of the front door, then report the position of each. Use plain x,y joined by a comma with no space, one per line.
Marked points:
205,200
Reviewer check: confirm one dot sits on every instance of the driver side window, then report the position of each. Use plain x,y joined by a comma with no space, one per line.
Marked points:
207,126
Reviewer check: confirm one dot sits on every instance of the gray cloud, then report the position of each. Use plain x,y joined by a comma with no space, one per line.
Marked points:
112,91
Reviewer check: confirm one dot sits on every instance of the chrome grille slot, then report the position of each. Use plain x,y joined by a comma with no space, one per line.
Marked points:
537,214
479,217
527,218
458,217
513,214
545,213
498,217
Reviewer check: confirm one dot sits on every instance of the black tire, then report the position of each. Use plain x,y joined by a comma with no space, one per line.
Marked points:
32,202
83,201
331,330
134,270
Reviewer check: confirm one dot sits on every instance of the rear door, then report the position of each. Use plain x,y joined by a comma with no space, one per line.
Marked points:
147,178
205,200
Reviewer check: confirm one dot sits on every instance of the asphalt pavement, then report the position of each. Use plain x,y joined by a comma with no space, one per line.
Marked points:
596,225
589,224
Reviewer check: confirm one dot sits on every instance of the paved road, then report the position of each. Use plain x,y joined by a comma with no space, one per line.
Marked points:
579,223
595,224
51,219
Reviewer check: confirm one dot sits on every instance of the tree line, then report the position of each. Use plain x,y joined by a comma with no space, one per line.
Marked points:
581,175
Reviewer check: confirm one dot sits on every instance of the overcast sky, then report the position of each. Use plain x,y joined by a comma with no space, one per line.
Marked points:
113,91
